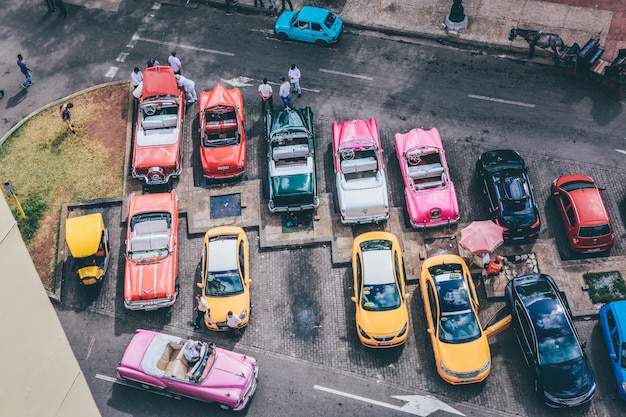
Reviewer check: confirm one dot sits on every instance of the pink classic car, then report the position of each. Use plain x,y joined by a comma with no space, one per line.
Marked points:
360,172
222,136
157,151
214,375
430,196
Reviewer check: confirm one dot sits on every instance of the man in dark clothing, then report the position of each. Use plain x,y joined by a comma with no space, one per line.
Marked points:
51,7
289,3
25,70
61,7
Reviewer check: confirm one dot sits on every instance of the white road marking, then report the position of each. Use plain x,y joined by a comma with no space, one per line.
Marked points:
156,6
346,74
133,40
92,340
127,384
621,151
111,72
419,405
121,57
148,18
239,82
499,100
193,48
266,31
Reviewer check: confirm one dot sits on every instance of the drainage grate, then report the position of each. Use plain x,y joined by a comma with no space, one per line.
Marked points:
228,205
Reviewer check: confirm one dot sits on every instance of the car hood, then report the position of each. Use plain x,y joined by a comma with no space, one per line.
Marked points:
465,357
383,323
421,203
230,370
371,197
284,20
292,184
220,306
569,380
163,156
231,156
147,281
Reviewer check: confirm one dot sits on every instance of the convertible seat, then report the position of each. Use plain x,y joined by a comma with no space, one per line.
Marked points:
159,121
352,166
417,172
177,368
290,151
150,235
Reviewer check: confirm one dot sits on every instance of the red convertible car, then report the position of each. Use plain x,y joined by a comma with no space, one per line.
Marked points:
210,374
151,251
430,195
157,150
222,136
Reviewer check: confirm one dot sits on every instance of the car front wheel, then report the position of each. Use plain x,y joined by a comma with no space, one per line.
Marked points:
283,36
320,42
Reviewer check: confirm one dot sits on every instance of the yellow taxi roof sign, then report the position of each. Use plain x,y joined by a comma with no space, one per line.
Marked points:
83,234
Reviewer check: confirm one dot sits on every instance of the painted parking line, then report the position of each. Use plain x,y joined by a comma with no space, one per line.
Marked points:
500,100
346,74
621,151
176,45
419,405
112,72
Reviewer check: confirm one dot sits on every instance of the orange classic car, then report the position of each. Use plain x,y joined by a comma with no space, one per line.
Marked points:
222,136
150,276
157,144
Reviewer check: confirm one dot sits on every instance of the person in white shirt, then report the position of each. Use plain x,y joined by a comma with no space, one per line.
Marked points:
284,93
266,93
202,307
294,79
233,322
136,77
189,86
175,63
192,351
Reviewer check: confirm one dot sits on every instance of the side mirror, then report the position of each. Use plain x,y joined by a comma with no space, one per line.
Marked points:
583,344
601,187
407,296
430,331
353,299
249,281
199,284
613,357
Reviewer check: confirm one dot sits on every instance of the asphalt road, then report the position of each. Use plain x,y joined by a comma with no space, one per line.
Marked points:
477,101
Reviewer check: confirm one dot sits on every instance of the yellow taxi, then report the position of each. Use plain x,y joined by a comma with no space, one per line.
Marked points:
225,276
382,317
460,345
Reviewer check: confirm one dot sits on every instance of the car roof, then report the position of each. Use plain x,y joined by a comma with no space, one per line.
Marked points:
377,267
317,14
590,207
619,308
223,254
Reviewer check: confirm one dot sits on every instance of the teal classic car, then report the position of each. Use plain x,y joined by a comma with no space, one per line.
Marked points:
310,24
291,160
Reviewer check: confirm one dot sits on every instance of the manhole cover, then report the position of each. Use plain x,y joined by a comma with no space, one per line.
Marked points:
225,206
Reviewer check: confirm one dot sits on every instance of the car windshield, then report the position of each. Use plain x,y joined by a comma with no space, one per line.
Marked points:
380,297
577,185
202,367
595,231
459,327
623,356
555,350
330,20
223,284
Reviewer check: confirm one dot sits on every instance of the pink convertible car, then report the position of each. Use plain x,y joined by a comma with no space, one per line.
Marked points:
158,360
429,191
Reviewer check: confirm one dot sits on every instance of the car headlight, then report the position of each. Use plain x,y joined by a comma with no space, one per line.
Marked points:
244,314
624,386
365,335
446,370
485,366
403,331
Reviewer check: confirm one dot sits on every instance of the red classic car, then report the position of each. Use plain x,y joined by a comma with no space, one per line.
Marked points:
159,128
151,251
222,137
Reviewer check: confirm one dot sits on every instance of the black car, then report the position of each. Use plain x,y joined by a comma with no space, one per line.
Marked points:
549,341
503,176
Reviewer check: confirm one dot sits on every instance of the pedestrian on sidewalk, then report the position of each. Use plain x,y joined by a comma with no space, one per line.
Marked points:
61,7
266,93
289,3
284,93
136,77
233,322
189,86
260,3
51,6
175,63
26,70
273,7
294,79
64,109
201,309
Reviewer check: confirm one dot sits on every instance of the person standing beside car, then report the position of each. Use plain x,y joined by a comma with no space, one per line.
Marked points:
136,77
266,93
294,79
284,93
233,322
201,309
175,63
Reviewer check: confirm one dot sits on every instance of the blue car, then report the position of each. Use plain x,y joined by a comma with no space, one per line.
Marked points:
613,323
310,24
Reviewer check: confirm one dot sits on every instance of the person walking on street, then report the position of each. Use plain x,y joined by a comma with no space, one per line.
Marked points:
233,322
51,6
284,93
201,309
26,70
266,92
175,63
136,77
294,79
61,7
66,117
273,7
289,3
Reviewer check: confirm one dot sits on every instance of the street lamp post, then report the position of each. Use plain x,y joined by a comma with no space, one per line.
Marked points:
456,20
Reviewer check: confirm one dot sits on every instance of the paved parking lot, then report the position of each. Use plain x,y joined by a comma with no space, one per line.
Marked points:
301,294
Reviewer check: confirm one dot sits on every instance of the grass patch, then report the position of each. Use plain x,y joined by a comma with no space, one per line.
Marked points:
35,208
605,287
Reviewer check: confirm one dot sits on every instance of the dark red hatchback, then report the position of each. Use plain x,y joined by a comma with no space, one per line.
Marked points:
584,214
